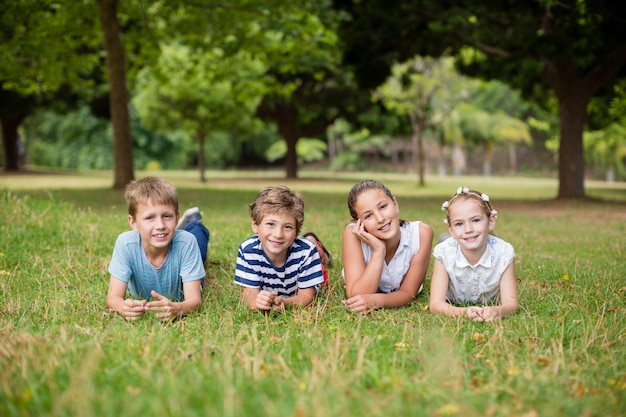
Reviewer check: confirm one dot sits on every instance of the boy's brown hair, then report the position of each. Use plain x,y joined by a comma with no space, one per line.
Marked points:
278,200
156,189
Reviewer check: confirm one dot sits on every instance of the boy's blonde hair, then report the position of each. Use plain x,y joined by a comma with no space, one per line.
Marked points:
278,200
156,189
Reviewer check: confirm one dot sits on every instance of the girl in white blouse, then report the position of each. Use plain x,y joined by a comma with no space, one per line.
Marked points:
385,259
474,271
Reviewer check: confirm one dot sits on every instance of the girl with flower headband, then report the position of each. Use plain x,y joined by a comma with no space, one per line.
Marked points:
385,258
474,271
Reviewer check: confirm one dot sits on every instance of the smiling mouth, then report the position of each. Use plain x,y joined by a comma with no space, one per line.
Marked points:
385,227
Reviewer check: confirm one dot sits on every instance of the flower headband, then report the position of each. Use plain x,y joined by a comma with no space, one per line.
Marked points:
467,191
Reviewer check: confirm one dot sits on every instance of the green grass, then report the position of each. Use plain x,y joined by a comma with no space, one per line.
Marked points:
62,353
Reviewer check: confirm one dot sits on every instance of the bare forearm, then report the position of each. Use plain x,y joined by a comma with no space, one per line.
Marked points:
392,299
299,300
446,309
116,303
368,282
187,306
504,310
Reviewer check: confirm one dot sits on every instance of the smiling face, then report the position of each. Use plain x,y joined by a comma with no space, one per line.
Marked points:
277,232
470,225
379,213
156,224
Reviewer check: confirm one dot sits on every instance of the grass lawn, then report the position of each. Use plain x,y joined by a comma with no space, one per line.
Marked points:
62,353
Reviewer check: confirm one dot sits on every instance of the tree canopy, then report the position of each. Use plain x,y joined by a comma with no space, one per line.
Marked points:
572,47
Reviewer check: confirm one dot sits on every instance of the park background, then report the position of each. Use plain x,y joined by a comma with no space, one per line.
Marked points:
523,101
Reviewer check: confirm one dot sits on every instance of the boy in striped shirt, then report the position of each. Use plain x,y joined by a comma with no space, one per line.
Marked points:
276,267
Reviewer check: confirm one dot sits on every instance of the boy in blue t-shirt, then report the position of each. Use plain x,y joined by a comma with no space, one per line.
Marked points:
161,258
275,267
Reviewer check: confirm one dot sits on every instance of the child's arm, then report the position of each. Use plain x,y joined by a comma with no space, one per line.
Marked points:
438,293
508,296
167,309
360,278
411,283
303,298
128,308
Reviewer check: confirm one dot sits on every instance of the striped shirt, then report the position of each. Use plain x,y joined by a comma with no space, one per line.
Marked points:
302,268
130,264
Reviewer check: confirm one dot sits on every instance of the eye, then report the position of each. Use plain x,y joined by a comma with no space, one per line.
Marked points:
458,224
269,224
290,227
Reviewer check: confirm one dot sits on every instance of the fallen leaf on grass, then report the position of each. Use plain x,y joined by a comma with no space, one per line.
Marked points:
580,390
479,337
543,360
512,371
447,410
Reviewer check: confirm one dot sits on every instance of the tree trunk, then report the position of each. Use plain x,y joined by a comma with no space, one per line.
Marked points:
572,116
418,123
512,157
487,158
285,120
201,167
14,108
120,115
291,162
9,142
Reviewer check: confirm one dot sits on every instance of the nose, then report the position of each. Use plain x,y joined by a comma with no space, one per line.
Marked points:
159,222
469,227
379,217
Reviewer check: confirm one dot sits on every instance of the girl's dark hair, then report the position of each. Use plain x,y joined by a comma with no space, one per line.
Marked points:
363,186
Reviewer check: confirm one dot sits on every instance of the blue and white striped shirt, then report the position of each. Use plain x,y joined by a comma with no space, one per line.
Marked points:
130,264
302,268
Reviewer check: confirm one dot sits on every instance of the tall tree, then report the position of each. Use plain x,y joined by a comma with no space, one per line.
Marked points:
119,97
426,90
572,47
306,88
44,46
199,92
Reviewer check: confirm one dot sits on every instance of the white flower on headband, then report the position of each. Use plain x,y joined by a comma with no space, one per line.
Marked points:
459,190
445,205
485,197
494,212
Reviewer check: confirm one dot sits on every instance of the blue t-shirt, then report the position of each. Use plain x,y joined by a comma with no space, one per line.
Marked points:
130,264
302,268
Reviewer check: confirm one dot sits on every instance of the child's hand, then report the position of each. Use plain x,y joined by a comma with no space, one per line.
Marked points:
265,300
164,308
367,238
133,309
358,304
278,304
475,313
